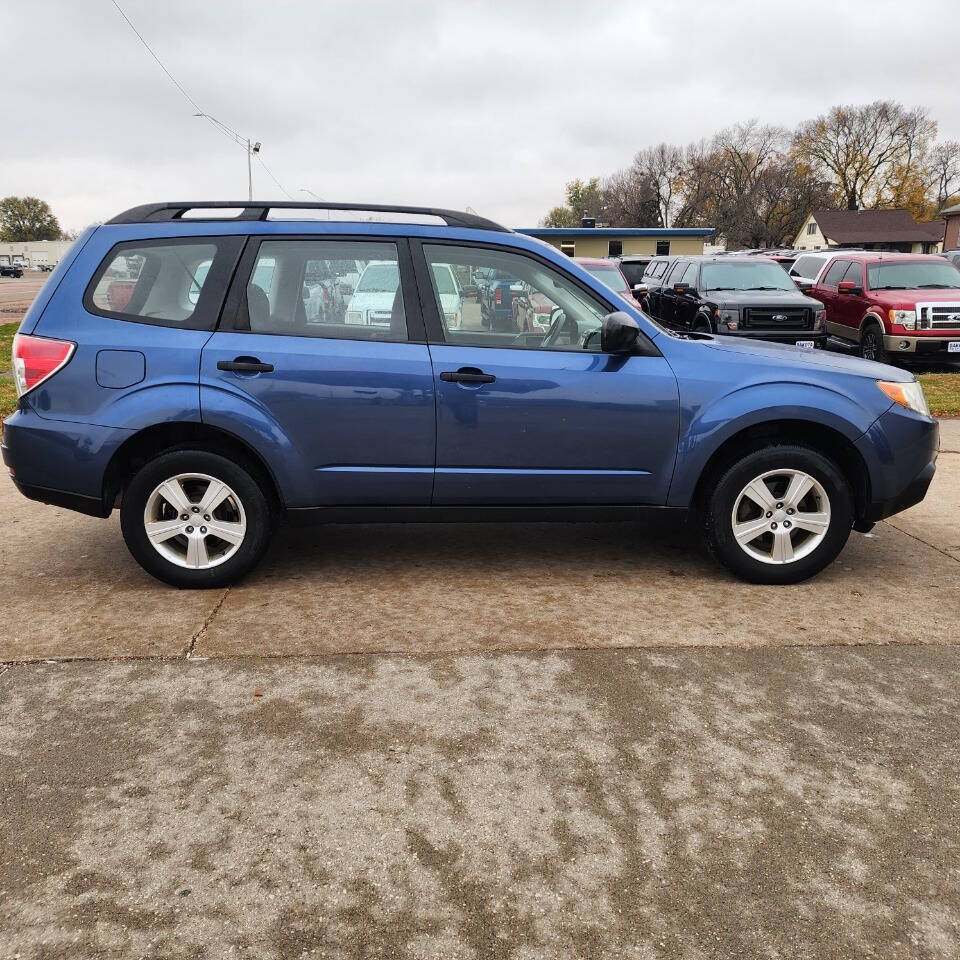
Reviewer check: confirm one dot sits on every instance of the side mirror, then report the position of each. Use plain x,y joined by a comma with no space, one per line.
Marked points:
639,291
849,288
619,333
680,289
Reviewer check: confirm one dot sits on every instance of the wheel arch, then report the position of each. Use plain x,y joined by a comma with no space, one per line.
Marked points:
150,442
816,436
871,316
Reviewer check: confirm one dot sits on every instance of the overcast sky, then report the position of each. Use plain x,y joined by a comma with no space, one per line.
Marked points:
492,105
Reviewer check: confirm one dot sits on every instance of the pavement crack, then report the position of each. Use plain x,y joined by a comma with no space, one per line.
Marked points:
926,543
191,646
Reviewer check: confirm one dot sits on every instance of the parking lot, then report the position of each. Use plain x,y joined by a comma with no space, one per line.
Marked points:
480,741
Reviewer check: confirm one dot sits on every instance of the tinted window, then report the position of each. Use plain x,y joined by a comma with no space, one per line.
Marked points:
169,283
326,288
547,311
806,267
836,271
679,268
929,274
633,272
854,274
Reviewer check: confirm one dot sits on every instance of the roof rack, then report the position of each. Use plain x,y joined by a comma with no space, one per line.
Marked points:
175,210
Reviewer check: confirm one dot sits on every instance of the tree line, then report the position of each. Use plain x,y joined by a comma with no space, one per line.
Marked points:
757,183
28,219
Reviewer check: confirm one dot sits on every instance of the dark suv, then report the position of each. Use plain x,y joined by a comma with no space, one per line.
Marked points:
737,296
180,367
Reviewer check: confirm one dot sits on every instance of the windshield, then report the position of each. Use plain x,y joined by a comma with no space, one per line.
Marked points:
913,275
611,276
444,279
379,278
738,275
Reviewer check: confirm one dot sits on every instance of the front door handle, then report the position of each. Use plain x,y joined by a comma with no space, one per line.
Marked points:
467,375
245,365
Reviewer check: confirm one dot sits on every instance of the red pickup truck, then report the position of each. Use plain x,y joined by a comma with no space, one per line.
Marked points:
892,304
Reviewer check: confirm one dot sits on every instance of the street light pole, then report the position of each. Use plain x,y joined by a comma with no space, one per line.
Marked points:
252,147
249,170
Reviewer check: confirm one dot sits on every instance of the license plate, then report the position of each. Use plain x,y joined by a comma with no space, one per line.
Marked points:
953,346
805,344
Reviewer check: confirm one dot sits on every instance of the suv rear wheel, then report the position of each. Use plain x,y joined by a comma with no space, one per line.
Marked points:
779,515
195,519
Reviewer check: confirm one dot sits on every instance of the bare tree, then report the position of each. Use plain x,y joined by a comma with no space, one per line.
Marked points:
945,172
857,146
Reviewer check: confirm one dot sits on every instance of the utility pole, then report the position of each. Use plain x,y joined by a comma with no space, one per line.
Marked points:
252,148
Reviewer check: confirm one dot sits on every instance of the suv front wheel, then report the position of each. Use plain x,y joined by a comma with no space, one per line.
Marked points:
195,519
779,515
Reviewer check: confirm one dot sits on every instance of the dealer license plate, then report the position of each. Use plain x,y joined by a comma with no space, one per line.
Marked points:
805,344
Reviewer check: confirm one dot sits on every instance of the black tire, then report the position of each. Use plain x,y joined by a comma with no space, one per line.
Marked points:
256,508
702,325
717,514
871,343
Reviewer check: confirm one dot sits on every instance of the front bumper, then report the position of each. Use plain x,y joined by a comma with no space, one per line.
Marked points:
921,346
900,451
818,337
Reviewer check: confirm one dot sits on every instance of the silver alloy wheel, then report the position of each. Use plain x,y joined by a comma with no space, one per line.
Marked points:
195,521
781,516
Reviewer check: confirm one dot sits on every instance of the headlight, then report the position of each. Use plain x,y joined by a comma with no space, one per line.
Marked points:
354,316
909,395
819,318
906,318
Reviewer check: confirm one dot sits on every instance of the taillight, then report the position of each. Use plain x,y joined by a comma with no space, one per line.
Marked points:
498,295
36,359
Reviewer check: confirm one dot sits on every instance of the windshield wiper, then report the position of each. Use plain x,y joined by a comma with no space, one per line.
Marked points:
933,286
767,288
894,287
720,289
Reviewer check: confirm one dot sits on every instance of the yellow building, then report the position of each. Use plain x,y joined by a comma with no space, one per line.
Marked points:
622,241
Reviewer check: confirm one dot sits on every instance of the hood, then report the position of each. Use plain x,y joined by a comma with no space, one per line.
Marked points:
908,299
805,359
761,298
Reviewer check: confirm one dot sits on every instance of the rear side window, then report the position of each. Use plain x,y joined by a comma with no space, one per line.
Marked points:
806,267
170,282
338,289
633,272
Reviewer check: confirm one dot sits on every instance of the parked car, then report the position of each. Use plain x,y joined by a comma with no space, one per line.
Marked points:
10,270
953,256
808,266
608,272
785,257
496,300
204,422
372,301
633,266
892,305
738,296
653,278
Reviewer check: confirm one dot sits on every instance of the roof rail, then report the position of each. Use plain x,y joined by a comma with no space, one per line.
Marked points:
175,210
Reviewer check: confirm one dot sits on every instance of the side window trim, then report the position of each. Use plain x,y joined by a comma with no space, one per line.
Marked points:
214,291
234,313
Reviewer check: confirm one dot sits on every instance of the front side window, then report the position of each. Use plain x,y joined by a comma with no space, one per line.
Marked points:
740,275
836,271
173,283
524,305
913,275
341,289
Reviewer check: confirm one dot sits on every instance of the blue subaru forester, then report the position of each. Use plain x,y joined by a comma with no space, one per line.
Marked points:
210,367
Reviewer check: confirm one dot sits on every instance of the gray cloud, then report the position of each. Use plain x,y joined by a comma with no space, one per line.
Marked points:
492,104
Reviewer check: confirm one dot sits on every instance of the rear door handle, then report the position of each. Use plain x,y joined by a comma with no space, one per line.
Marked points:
245,365
467,375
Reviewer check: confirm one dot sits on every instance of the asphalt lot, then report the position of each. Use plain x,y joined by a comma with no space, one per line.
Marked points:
448,741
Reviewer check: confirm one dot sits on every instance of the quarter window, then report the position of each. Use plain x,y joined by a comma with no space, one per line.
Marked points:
346,290
522,304
172,283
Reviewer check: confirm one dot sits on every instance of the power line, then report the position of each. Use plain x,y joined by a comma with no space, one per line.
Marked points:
219,125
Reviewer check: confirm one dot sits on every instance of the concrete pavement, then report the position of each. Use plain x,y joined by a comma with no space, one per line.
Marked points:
71,589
